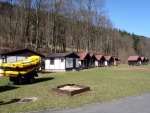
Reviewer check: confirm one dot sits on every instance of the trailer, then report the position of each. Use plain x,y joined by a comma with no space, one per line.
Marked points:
22,70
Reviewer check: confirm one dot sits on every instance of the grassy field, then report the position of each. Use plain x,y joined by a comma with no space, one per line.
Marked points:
106,83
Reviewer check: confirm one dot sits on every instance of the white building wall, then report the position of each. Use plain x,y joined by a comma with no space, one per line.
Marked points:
67,62
71,63
1,60
14,58
77,62
96,63
21,58
58,65
11,58
47,63
61,64
1,69
52,66
106,63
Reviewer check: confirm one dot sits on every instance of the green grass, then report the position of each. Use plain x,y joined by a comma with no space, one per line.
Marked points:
106,83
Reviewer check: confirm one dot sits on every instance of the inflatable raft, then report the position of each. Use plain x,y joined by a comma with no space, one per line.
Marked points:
21,67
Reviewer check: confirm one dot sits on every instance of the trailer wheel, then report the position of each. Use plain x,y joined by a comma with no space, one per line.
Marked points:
19,81
31,80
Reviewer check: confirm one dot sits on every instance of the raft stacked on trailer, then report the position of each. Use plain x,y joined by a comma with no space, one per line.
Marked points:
21,70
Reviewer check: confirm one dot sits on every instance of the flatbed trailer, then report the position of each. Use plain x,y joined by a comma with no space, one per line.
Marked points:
28,77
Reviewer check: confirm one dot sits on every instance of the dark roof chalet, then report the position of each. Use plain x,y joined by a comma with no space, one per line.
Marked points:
91,55
147,59
82,55
134,58
108,57
143,58
98,57
21,52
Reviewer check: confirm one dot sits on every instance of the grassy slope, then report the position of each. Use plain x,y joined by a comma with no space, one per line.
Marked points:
107,83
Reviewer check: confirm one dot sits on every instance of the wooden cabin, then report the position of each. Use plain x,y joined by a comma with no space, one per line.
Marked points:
143,61
61,62
109,61
147,60
134,61
84,60
92,61
100,61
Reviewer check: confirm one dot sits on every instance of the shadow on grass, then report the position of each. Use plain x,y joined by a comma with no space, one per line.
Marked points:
46,72
37,80
9,102
7,88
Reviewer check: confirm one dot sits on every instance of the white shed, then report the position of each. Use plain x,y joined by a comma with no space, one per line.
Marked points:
61,61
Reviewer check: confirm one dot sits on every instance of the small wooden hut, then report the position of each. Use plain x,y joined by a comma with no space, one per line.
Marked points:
147,60
109,61
100,61
143,60
92,61
134,60
84,60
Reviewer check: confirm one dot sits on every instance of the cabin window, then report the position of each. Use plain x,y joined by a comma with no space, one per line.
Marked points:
52,61
62,60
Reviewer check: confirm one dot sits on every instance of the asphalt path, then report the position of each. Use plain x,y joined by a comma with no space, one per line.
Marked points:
135,104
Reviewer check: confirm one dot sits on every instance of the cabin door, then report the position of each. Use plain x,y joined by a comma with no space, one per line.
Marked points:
74,63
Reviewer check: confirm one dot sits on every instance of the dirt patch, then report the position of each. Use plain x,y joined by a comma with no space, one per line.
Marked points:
70,88
27,100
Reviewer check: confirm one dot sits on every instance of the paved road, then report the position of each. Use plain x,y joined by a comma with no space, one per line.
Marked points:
136,104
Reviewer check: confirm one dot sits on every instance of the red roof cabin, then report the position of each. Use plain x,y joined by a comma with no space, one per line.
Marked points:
84,60
100,61
134,61
109,61
144,61
147,60
92,61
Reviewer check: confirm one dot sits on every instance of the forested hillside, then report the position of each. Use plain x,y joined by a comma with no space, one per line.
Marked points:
48,26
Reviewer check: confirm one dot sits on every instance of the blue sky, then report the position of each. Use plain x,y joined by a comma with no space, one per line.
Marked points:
130,15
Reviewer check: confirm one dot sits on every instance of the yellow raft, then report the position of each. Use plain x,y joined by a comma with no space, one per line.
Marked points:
13,69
